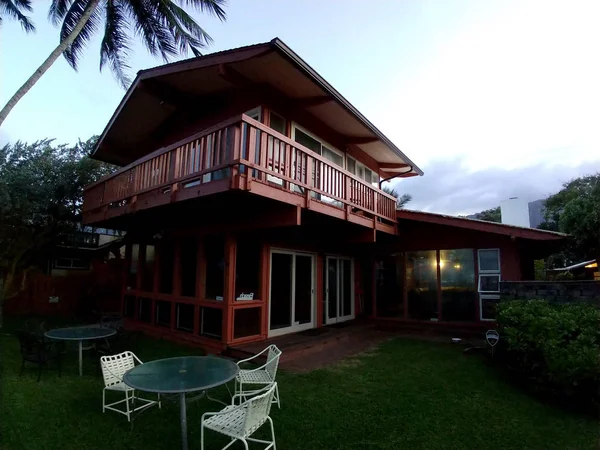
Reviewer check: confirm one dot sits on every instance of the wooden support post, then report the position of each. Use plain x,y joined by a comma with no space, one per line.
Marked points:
229,288
265,278
439,285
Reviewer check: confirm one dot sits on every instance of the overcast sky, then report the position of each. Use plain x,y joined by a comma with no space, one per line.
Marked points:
490,99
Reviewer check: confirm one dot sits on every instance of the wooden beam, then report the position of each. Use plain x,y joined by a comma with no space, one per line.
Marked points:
164,93
233,76
311,101
385,166
361,140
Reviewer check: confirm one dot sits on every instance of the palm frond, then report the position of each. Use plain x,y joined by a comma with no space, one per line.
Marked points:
212,7
57,11
71,18
156,38
187,34
14,9
115,48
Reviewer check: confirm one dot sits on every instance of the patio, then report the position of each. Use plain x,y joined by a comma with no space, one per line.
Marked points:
403,394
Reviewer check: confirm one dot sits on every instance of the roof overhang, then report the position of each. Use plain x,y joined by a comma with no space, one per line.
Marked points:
481,225
156,94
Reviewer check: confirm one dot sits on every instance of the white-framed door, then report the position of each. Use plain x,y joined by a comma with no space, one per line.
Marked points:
291,292
339,289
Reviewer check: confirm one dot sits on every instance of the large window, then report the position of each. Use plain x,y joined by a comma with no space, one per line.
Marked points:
215,267
166,266
457,270
147,268
390,286
189,258
133,267
421,284
362,171
247,268
302,137
489,282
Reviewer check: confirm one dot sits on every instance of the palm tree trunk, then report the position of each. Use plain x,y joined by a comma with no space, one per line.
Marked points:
89,9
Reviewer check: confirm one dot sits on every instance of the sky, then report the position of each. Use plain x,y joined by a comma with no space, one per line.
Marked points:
491,99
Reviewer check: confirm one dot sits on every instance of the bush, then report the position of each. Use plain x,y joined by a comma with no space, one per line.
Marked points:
555,346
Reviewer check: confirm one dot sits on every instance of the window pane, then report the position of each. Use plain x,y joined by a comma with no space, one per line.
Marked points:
488,306
333,157
189,257
488,260
247,268
166,265
281,290
145,313
185,317
215,267
489,283
459,294
133,267
307,141
368,175
129,306
211,322
352,166
390,286
246,322
421,283
277,122
163,313
148,269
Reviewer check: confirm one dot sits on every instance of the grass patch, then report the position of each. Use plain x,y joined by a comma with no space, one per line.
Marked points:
407,395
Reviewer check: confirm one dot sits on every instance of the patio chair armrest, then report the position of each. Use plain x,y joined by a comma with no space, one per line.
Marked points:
252,357
257,368
136,359
220,413
256,392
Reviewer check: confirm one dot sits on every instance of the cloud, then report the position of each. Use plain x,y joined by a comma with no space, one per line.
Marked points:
450,187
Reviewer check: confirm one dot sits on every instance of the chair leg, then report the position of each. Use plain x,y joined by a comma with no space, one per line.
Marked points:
201,436
159,402
103,400
272,432
245,443
277,396
127,406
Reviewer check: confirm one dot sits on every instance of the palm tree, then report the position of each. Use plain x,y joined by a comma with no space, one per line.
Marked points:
165,28
401,200
14,9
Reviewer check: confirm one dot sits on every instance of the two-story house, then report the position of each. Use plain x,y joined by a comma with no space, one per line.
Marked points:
250,191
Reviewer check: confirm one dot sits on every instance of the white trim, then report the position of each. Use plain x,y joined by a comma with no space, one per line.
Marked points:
295,326
486,297
255,113
495,271
321,141
488,275
338,318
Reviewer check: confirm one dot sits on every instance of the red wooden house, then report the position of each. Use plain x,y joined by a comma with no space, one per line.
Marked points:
250,193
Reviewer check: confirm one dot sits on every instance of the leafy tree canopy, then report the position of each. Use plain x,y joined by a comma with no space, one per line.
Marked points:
575,210
491,215
41,195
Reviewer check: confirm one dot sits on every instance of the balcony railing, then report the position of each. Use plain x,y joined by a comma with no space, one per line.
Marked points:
246,152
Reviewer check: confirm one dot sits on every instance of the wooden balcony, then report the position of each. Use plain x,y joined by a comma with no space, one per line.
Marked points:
240,154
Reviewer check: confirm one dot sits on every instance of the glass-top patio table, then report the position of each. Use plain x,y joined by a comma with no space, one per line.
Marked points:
181,376
79,334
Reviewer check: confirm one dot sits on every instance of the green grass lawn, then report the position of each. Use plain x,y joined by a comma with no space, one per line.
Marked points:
404,395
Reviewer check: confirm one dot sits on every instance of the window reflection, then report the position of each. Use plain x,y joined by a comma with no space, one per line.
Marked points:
421,283
457,270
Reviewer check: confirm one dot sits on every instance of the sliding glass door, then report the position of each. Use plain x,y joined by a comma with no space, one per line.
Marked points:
292,292
339,289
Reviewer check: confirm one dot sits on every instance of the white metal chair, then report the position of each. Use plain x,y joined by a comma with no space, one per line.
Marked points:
261,376
113,369
241,421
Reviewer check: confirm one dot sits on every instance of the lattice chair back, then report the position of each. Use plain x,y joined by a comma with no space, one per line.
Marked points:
115,366
258,409
272,361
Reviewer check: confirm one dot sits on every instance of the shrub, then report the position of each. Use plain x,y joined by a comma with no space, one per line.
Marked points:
555,346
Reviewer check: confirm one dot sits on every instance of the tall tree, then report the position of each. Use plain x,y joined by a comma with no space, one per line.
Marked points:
41,195
575,210
165,28
15,9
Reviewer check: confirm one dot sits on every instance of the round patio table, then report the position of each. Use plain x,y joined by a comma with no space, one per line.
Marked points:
79,334
181,376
